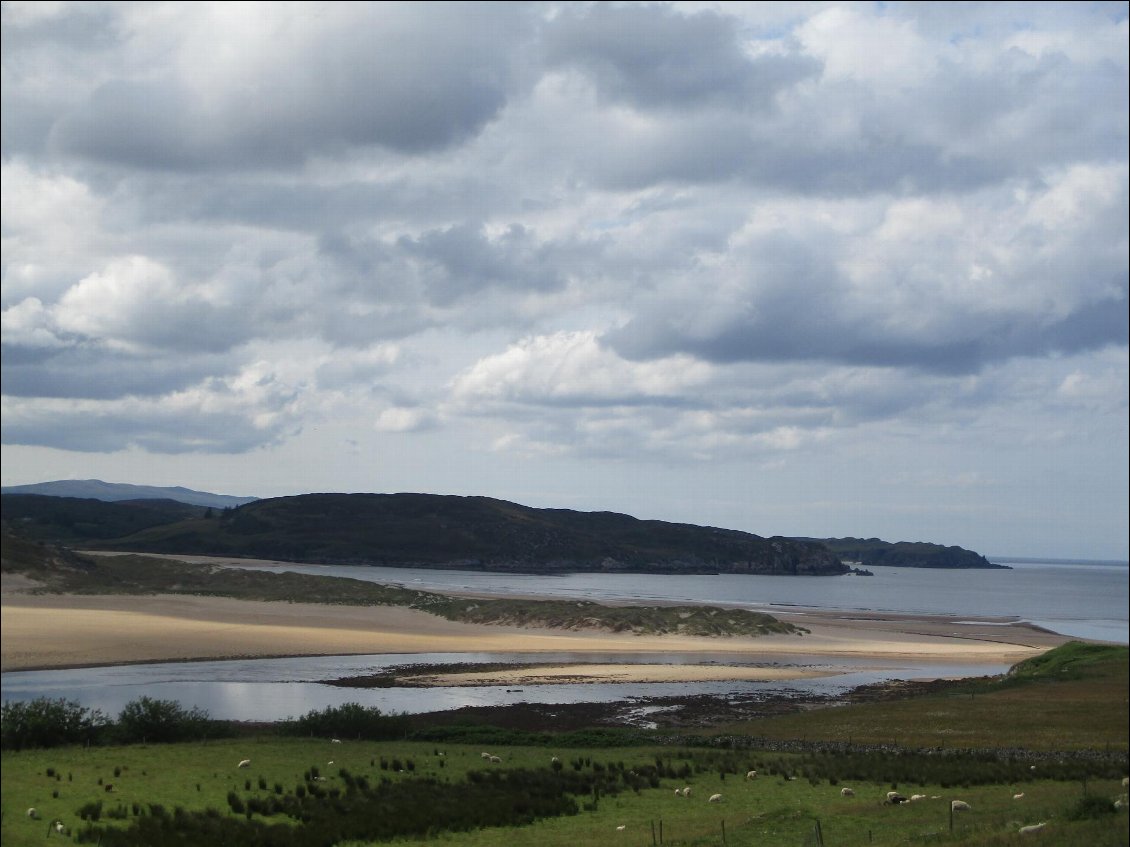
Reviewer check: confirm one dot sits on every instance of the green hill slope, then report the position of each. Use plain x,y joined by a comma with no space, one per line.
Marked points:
424,530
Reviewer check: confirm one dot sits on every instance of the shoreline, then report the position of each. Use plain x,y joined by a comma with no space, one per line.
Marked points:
57,631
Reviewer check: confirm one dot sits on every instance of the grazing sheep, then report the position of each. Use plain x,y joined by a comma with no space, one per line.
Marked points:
687,791
1018,796
960,806
484,755
554,760
621,828
715,798
894,798
335,741
494,760
846,792
751,775
59,828
914,798
244,763
33,814
1125,781
1028,830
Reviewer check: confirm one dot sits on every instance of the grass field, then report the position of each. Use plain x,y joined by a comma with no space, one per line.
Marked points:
1054,731
769,810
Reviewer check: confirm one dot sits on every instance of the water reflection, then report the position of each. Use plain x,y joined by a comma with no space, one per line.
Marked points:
274,689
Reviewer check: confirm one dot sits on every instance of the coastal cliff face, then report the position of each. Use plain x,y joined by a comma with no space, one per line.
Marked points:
425,530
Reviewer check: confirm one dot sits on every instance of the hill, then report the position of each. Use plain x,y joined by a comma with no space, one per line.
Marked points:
96,489
419,530
903,554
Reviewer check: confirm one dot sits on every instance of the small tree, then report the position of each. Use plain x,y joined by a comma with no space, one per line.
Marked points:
44,722
146,719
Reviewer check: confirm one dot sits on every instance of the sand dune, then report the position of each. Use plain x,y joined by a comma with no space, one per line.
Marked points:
46,631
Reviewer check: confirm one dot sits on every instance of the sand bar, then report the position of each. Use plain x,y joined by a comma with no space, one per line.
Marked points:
54,631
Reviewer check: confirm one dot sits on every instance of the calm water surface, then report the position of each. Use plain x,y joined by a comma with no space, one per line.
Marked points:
1085,600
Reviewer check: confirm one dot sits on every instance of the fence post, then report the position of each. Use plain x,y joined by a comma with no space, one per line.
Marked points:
653,833
819,834
723,830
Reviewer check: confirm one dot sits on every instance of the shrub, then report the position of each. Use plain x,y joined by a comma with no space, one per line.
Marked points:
146,719
350,720
44,722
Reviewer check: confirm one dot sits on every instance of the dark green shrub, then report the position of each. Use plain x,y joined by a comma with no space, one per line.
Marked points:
44,722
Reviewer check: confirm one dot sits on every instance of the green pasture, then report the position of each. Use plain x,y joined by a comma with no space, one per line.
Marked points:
772,809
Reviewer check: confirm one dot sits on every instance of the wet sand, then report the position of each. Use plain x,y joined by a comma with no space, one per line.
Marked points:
56,631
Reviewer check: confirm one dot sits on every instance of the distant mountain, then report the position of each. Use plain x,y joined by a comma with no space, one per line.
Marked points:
904,554
96,489
421,530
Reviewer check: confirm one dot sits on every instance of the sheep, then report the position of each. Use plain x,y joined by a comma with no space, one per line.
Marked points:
960,806
687,791
484,755
494,760
1028,830
751,775
894,798
1018,796
554,760
715,798
33,813
330,762
621,828
846,792
914,798
244,763
1125,781
335,741
59,828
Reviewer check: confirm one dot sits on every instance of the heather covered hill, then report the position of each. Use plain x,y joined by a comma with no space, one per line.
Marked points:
425,530
74,520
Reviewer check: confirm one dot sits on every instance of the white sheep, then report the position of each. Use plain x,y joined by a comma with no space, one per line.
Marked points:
1018,796
494,760
335,741
894,798
484,755
914,798
846,792
621,828
59,828
554,760
687,791
33,814
751,775
960,806
715,798
244,763
1028,830
1125,781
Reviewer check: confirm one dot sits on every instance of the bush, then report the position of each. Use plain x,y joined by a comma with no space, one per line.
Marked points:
44,722
350,720
1091,807
152,720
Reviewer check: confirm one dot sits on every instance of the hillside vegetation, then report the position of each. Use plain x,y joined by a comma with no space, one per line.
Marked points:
417,530
904,554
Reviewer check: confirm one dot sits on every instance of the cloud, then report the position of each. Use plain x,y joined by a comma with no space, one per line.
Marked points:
255,86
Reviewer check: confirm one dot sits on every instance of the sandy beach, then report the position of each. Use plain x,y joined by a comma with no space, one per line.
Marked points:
55,631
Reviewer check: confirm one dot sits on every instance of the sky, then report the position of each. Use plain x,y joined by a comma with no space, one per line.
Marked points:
803,269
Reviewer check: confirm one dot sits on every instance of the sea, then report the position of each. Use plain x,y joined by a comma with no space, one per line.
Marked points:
1079,599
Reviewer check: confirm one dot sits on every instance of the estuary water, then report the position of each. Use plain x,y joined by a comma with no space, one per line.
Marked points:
1087,600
